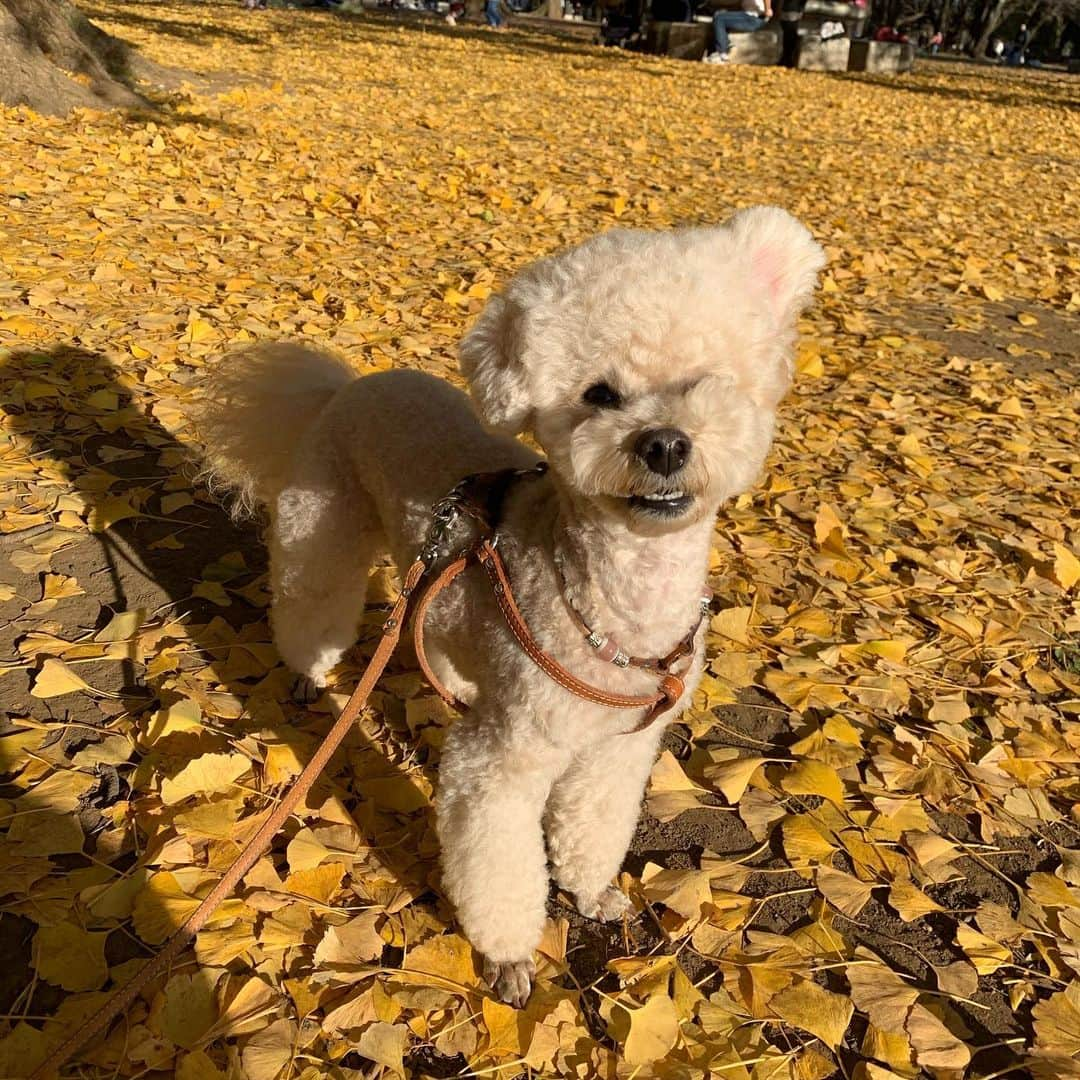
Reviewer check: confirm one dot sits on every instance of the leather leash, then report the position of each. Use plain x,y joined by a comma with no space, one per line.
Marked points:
478,497
253,850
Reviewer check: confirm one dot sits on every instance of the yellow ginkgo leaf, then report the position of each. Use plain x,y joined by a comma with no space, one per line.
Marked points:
804,843
58,586
56,678
812,1008
986,954
268,1051
652,1031
204,775
1066,566
71,957
448,956
671,792
809,777
189,1008
732,777
110,510
384,1044
320,883
847,894
910,902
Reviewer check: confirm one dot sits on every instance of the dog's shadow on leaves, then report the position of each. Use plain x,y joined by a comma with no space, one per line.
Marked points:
164,546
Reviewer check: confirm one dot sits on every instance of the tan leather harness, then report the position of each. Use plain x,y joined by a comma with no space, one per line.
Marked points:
479,498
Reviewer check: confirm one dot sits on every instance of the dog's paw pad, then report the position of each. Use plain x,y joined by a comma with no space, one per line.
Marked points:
305,690
511,981
610,906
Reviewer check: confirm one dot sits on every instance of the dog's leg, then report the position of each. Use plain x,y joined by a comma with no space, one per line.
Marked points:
489,808
323,538
590,819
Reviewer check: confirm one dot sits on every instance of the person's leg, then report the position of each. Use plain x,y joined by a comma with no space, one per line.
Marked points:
791,12
725,22
719,22
743,22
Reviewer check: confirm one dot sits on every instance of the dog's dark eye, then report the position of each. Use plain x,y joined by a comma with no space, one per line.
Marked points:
602,395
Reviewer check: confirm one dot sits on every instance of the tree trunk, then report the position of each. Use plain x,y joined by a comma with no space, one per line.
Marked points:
995,15
54,59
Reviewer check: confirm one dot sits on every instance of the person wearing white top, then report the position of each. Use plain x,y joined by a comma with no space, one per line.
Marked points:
753,16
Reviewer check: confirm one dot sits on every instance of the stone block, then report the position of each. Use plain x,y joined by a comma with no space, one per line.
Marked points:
818,55
881,57
684,41
760,47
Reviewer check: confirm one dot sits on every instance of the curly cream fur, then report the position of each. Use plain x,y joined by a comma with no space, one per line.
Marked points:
695,329
280,389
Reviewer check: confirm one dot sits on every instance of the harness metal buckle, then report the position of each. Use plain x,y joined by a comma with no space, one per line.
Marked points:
445,516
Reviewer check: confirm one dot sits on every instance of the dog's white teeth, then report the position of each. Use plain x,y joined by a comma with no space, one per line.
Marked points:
670,496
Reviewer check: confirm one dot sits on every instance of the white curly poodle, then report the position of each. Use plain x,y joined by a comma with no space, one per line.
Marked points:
648,366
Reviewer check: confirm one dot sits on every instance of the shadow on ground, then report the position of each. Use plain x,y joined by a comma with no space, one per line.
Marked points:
98,444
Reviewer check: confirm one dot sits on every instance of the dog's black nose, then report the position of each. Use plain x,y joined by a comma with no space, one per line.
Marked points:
664,450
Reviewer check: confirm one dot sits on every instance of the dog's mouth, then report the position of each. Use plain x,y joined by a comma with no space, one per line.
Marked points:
662,504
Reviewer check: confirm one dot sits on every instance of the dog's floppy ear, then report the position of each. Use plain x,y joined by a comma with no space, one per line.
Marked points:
783,259
490,359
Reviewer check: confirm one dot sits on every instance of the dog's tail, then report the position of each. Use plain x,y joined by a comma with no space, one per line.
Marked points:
256,408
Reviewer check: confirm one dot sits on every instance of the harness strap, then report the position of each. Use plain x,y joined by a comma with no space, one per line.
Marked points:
657,703
485,552
419,618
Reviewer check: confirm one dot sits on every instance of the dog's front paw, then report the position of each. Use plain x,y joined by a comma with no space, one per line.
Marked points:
511,981
610,906
305,690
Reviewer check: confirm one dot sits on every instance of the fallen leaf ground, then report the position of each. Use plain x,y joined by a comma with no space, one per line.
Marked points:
861,855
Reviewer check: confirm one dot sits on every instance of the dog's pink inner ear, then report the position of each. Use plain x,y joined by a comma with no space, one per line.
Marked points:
786,276
781,259
767,267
